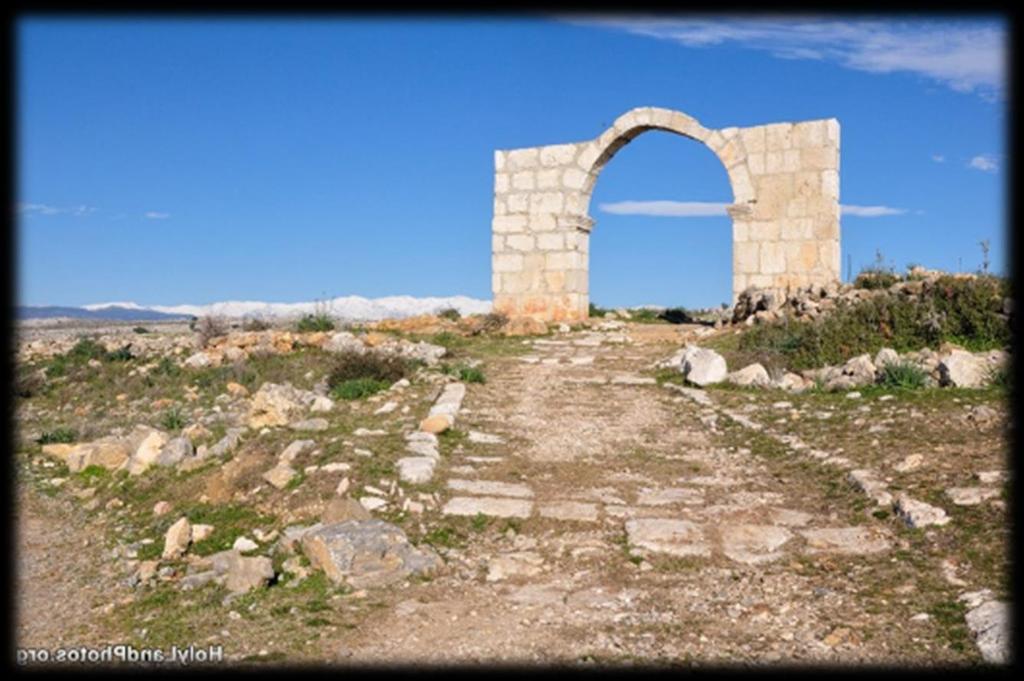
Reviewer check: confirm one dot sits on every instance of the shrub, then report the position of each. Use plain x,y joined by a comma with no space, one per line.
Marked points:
906,375
57,435
595,311
466,373
450,313
676,315
28,385
173,419
358,388
86,349
493,322
315,322
57,366
356,374
875,279
122,354
964,311
140,329
210,327
255,324
167,367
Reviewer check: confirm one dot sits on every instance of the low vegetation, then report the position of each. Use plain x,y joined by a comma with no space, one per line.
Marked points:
355,375
319,321
967,312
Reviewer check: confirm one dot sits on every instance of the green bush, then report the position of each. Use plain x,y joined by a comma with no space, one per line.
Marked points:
450,313
315,322
28,385
905,375
86,349
255,324
493,322
57,366
140,329
595,311
167,367
173,419
357,388
355,374
57,435
962,311
875,279
122,354
465,373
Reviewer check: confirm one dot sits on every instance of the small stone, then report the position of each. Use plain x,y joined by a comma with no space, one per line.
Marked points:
243,544
161,507
919,514
177,539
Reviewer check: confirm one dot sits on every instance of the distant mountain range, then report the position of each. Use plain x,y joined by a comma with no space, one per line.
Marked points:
355,308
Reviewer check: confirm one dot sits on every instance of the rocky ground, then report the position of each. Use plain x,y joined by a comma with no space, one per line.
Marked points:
582,505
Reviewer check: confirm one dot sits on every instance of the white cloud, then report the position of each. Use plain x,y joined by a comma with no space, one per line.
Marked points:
699,209
965,56
154,215
984,162
665,208
870,211
938,158
45,209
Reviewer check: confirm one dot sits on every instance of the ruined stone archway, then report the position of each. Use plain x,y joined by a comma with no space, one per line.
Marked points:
785,211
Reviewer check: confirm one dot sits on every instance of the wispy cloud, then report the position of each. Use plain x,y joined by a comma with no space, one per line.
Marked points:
700,209
965,56
984,162
870,211
673,209
156,215
45,209
938,158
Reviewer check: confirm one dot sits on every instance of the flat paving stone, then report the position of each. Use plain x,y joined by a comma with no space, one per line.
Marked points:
753,544
484,438
498,507
846,540
669,495
491,487
569,510
667,535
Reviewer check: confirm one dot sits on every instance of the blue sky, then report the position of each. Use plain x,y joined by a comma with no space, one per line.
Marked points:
194,161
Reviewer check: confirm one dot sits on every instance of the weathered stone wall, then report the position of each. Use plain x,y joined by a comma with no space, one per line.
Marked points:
785,183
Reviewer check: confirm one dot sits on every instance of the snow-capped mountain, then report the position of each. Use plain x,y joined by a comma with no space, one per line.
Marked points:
356,308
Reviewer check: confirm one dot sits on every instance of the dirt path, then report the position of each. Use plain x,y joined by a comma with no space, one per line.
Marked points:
625,524
62,575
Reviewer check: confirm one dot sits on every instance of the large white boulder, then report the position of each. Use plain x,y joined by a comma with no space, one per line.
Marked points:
703,367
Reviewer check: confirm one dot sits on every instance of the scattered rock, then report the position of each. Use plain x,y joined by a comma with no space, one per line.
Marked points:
702,366
919,514
177,539
664,535
750,375
366,553
316,424
971,496
280,475
961,369
990,623
340,509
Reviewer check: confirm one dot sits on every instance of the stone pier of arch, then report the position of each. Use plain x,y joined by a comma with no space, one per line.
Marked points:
785,210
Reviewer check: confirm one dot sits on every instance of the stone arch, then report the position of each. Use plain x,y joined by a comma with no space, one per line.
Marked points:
785,211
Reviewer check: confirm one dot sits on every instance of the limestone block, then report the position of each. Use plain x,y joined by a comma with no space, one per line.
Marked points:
819,158
573,178
576,203
763,230
563,260
543,223
714,141
588,155
523,180
547,202
797,207
742,188
555,281
746,257
495,283
799,228
773,258
685,125
520,242
551,241
756,163
774,162
500,208
497,243
501,183
576,240
753,139
731,153
509,223
791,160
644,116
548,179
832,132
499,161
800,256
557,155
778,136
626,121
809,134
826,228
807,184
740,231
828,255
522,159
661,118
830,184
518,203
508,262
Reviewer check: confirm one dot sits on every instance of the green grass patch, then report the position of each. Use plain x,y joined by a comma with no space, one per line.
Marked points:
358,388
315,322
57,435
